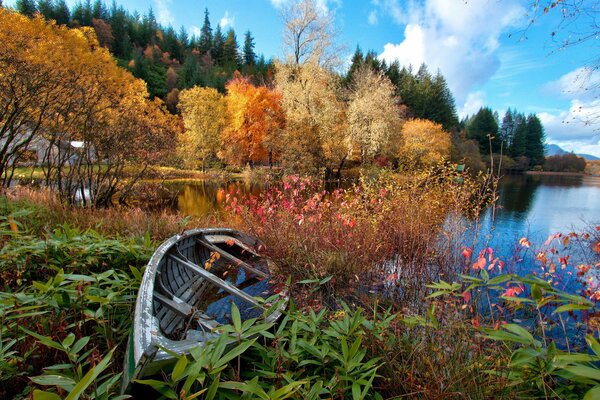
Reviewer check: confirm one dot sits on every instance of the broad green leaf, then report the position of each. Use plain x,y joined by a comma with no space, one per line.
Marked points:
592,394
179,368
41,395
62,382
572,307
160,386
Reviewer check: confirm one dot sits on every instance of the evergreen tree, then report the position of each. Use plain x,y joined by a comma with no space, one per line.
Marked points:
440,104
372,61
99,10
507,129
357,61
206,37
231,57
46,8
148,29
171,44
189,73
249,55
393,73
519,141
535,138
183,38
87,13
217,46
61,12
483,128
77,14
26,7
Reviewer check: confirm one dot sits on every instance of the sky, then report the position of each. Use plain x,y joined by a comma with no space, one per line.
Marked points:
486,50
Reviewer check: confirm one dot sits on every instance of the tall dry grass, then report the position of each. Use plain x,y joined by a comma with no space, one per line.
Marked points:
49,212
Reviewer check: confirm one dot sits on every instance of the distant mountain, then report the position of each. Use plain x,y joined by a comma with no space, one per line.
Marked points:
555,150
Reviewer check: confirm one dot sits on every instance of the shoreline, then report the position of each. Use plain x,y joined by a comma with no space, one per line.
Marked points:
556,173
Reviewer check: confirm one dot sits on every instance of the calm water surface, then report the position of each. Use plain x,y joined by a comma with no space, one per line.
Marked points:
536,206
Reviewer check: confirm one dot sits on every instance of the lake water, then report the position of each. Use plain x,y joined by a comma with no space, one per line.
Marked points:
535,206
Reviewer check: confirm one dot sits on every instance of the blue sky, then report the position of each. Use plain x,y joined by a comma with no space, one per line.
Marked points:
480,46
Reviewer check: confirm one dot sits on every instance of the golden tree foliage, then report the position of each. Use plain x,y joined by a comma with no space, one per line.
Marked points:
58,85
423,143
255,122
315,134
204,112
373,114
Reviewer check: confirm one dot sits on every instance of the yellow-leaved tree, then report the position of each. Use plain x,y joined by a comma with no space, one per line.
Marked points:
255,122
374,118
204,112
424,143
62,93
315,132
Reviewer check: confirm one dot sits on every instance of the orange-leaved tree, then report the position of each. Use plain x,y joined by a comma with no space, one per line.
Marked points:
255,122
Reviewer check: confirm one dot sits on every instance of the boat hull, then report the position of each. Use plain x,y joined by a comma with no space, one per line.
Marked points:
192,279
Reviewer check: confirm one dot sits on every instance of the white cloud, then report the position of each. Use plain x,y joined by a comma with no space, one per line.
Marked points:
460,39
278,3
574,129
582,84
163,13
195,31
475,100
373,17
227,20
323,6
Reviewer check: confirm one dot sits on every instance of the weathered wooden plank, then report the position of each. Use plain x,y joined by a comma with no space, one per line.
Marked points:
232,258
216,280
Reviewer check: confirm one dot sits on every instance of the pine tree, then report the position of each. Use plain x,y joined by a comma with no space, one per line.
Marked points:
519,142
507,129
61,12
46,8
440,104
535,138
99,10
86,19
206,37
26,7
217,46
372,61
148,29
483,128
249,55
231,58
183,38
357,62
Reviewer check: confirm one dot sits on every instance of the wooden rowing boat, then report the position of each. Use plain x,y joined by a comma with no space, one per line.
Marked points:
186,294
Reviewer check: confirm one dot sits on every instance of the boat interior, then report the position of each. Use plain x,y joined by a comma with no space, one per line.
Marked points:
199,278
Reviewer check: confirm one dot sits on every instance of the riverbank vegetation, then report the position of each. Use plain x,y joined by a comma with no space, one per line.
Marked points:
373,314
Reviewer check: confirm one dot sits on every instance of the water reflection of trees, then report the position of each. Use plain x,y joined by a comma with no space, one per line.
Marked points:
206,197
517,194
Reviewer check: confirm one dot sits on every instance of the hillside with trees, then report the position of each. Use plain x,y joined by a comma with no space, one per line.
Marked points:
297,113
166,59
